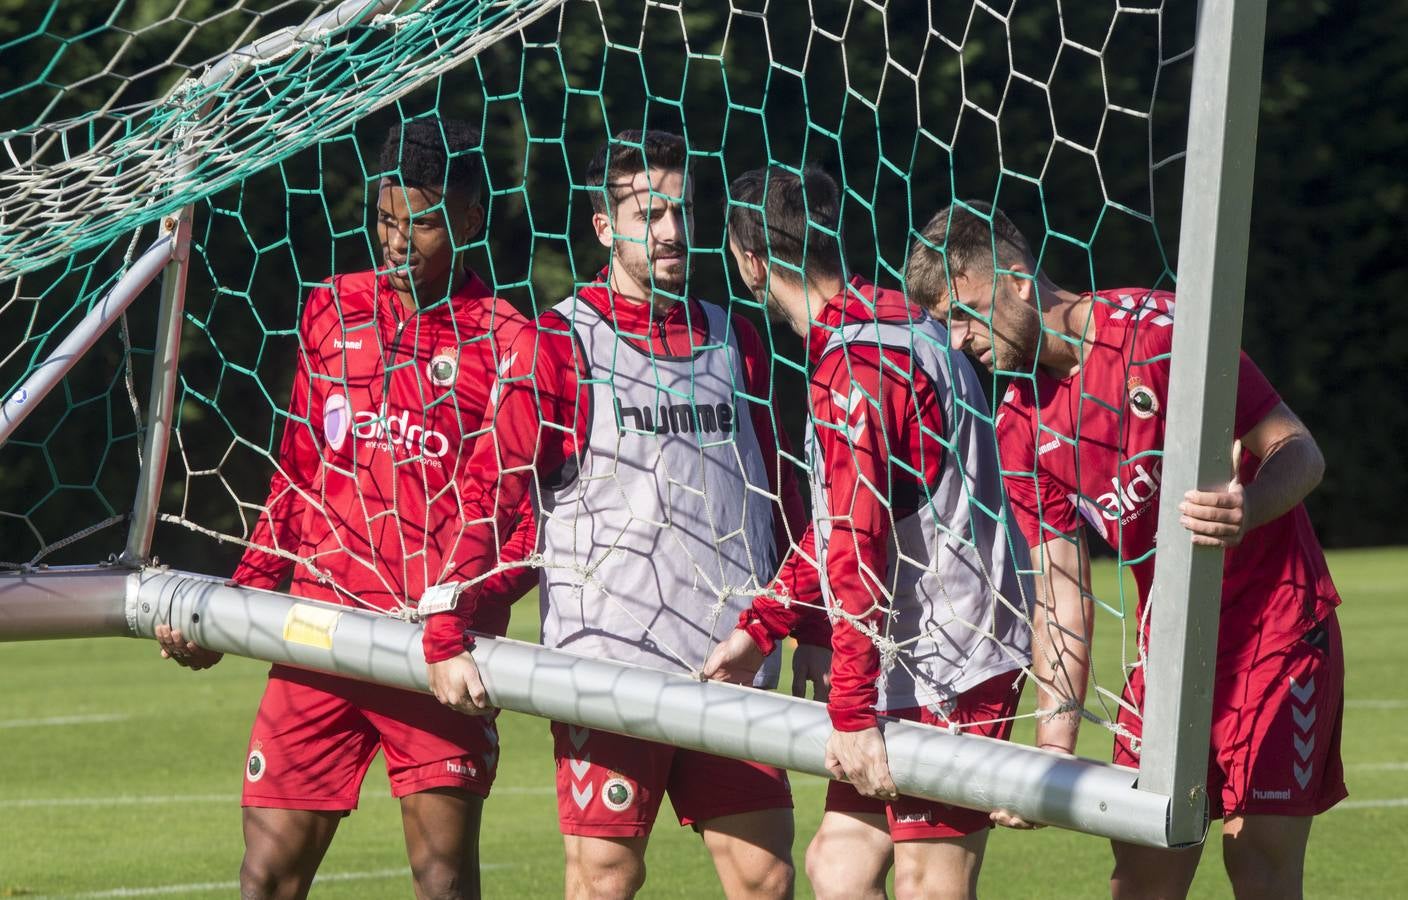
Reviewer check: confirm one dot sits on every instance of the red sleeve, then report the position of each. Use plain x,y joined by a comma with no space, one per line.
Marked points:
1255,397
507,586
534,426
298,466
797,608
854,435
1035,499
772,439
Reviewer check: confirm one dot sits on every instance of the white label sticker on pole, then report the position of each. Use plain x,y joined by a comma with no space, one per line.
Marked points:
311,626
438,599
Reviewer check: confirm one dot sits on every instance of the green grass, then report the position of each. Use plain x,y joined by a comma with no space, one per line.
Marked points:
144,792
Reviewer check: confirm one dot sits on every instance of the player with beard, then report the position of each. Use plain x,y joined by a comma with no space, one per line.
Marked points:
904,469
652,477
394,375
1080,430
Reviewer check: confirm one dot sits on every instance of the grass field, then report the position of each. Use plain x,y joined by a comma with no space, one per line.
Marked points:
120,777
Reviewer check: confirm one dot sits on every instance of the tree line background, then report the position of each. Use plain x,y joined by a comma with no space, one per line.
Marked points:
1096,190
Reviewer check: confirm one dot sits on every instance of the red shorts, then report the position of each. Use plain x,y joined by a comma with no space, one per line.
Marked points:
611,786
986,709
315,735
1275,730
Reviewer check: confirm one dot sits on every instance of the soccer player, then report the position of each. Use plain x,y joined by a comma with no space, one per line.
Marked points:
652,478
395,370
1080,436
905,487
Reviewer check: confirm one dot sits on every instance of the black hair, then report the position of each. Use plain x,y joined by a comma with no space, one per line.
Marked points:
437,154
629,153
777,214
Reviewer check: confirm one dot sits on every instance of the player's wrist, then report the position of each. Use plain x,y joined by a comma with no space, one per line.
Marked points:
852,719
445,637
760,637
756,626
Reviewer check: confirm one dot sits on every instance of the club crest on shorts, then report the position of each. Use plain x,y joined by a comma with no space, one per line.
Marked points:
1142,401
257,765
443,367
617,793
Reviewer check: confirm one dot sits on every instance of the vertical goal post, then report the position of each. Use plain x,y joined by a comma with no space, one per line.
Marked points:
1212,277
1162,804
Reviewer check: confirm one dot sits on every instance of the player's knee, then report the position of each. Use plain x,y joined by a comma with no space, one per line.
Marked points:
1132,882
953,882
1252,880
819,863
833,872
774,878
610,879
1141,873
443,880
261,881
1256,872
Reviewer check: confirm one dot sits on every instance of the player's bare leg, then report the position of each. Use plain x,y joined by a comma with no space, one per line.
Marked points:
600,868
442,842
1265,855
941,868
1145,873
282,851
850,856
752,853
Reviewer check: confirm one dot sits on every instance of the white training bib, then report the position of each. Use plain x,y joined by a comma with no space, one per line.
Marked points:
662,532
960,605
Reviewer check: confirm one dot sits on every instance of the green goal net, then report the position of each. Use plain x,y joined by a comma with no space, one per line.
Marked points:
263,119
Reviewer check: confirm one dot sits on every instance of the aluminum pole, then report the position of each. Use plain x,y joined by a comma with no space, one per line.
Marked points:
284,40
65,602
716,718
84,335
728,720
1212,275
161,404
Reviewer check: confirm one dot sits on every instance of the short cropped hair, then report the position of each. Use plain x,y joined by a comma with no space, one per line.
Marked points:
628,154
970,237
777,214
437,154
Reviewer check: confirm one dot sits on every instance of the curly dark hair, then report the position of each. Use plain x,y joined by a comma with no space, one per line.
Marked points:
435,154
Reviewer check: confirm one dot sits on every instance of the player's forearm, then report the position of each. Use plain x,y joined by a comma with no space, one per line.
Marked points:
811,625
277,529
510,583
770,618
1062,625
484,543
494,490
1290,471
854,559
855,670
446,631
485,520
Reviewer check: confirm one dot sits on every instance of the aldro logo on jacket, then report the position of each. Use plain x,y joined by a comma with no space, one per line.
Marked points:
389,429
1125,503
675,418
